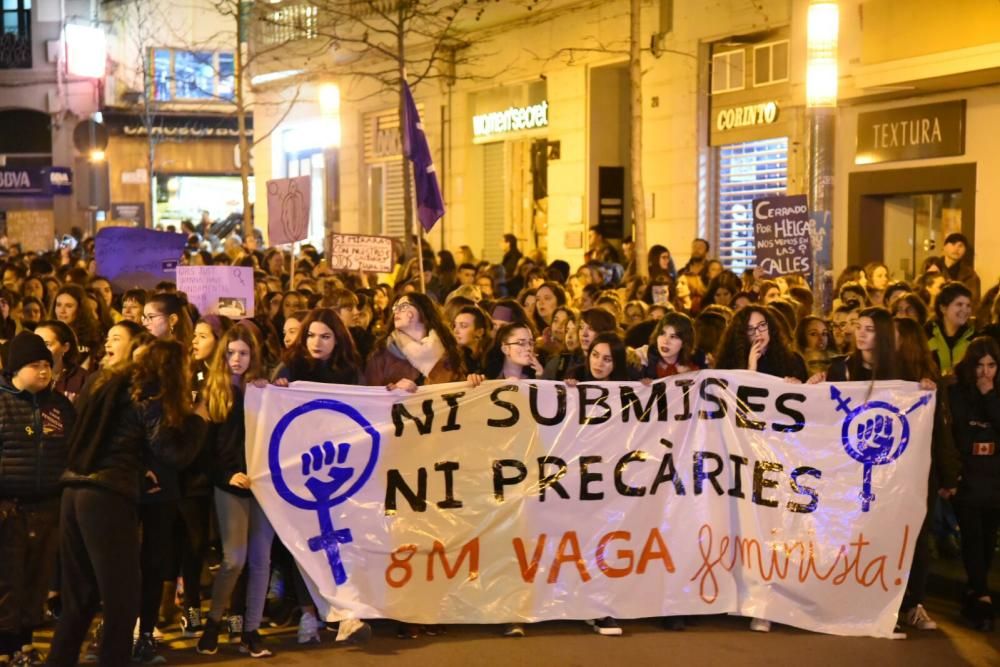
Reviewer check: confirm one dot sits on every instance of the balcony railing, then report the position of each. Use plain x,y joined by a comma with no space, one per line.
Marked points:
15,51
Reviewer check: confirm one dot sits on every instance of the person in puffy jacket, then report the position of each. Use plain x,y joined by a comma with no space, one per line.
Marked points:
34,422
125,416
975,405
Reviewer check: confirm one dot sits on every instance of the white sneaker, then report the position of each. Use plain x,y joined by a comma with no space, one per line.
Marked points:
919,619
353,631
760,625
309,627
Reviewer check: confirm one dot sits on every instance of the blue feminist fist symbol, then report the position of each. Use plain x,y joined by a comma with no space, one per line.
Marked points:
326,470
874,433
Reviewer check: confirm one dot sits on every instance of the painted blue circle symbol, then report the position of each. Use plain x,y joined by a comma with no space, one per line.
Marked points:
857,451
274,450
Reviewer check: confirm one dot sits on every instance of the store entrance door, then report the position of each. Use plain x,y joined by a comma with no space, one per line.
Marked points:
902,216
914,228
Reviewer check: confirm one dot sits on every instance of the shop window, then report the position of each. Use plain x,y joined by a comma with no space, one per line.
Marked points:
747,171
728,71
15,41
192,75
770,63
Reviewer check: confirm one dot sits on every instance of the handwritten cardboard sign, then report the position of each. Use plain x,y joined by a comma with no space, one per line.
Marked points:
288,209
132,257
355,252
781,228
35,230
218,290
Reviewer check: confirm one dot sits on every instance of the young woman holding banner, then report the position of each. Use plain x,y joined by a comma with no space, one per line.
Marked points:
417,348
322,352
756,341
245,530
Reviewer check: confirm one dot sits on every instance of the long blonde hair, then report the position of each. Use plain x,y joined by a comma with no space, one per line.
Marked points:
219,387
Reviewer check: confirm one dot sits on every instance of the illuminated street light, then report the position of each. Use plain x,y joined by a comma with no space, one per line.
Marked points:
96,156
821,53
329,98
86,50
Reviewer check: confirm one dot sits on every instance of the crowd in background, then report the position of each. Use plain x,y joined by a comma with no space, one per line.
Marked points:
123,477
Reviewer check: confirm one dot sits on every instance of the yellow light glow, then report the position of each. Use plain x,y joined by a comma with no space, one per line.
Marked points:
96,156
821,53
823,25
329,98
821,83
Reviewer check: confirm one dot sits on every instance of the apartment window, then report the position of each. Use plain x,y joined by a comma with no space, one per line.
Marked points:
180,75
747,171
728,71
15,41
770,63
289,23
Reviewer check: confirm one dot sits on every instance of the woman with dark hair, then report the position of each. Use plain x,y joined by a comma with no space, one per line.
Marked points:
722,289
851,273
512,356
671,347
950,332
768,291
812,341
128,415
914,364
70,307
473,332
548,297
417,348
660,262
709,328
323,352
874,356
69,376
854,291
975,401
909,305
507,311
755,341
929,286
166,316
592,322
133,301
660,290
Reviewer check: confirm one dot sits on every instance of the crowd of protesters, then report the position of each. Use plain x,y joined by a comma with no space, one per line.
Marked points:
123,478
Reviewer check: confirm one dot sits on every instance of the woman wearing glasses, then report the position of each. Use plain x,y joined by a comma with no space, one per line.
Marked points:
417,348
755,341
166,317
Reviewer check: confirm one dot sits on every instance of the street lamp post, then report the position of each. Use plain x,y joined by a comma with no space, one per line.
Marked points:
821,101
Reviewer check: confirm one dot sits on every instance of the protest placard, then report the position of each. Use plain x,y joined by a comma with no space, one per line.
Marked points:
357,252
704,493
34,229
218,290
288,201
781,228
130,257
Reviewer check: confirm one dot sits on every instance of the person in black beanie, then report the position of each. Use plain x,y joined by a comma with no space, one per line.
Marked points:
34,422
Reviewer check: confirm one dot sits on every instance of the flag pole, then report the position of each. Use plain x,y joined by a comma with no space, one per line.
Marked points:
420,235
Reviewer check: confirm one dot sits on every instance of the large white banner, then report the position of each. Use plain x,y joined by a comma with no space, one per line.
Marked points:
714,492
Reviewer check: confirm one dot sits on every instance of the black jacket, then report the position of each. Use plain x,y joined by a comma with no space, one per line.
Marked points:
115,437
976,418
33,441
225,445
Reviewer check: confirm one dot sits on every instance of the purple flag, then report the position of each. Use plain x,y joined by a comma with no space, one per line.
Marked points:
430,206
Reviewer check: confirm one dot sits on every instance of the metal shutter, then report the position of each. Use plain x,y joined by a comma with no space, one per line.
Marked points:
383,126
747,171
493,201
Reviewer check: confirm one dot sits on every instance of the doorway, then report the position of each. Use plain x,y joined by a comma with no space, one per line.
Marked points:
901,216
914,228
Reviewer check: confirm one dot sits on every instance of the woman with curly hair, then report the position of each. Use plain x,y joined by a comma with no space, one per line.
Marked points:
70,307
756,341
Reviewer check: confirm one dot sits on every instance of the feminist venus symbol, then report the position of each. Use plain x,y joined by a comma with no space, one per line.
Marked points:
325,491
870,437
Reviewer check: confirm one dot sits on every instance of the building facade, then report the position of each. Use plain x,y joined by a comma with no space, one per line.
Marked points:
530,135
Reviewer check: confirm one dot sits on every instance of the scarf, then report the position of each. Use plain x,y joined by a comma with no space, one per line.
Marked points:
422,354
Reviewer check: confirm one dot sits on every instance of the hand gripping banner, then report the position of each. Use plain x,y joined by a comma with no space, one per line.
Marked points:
705,493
